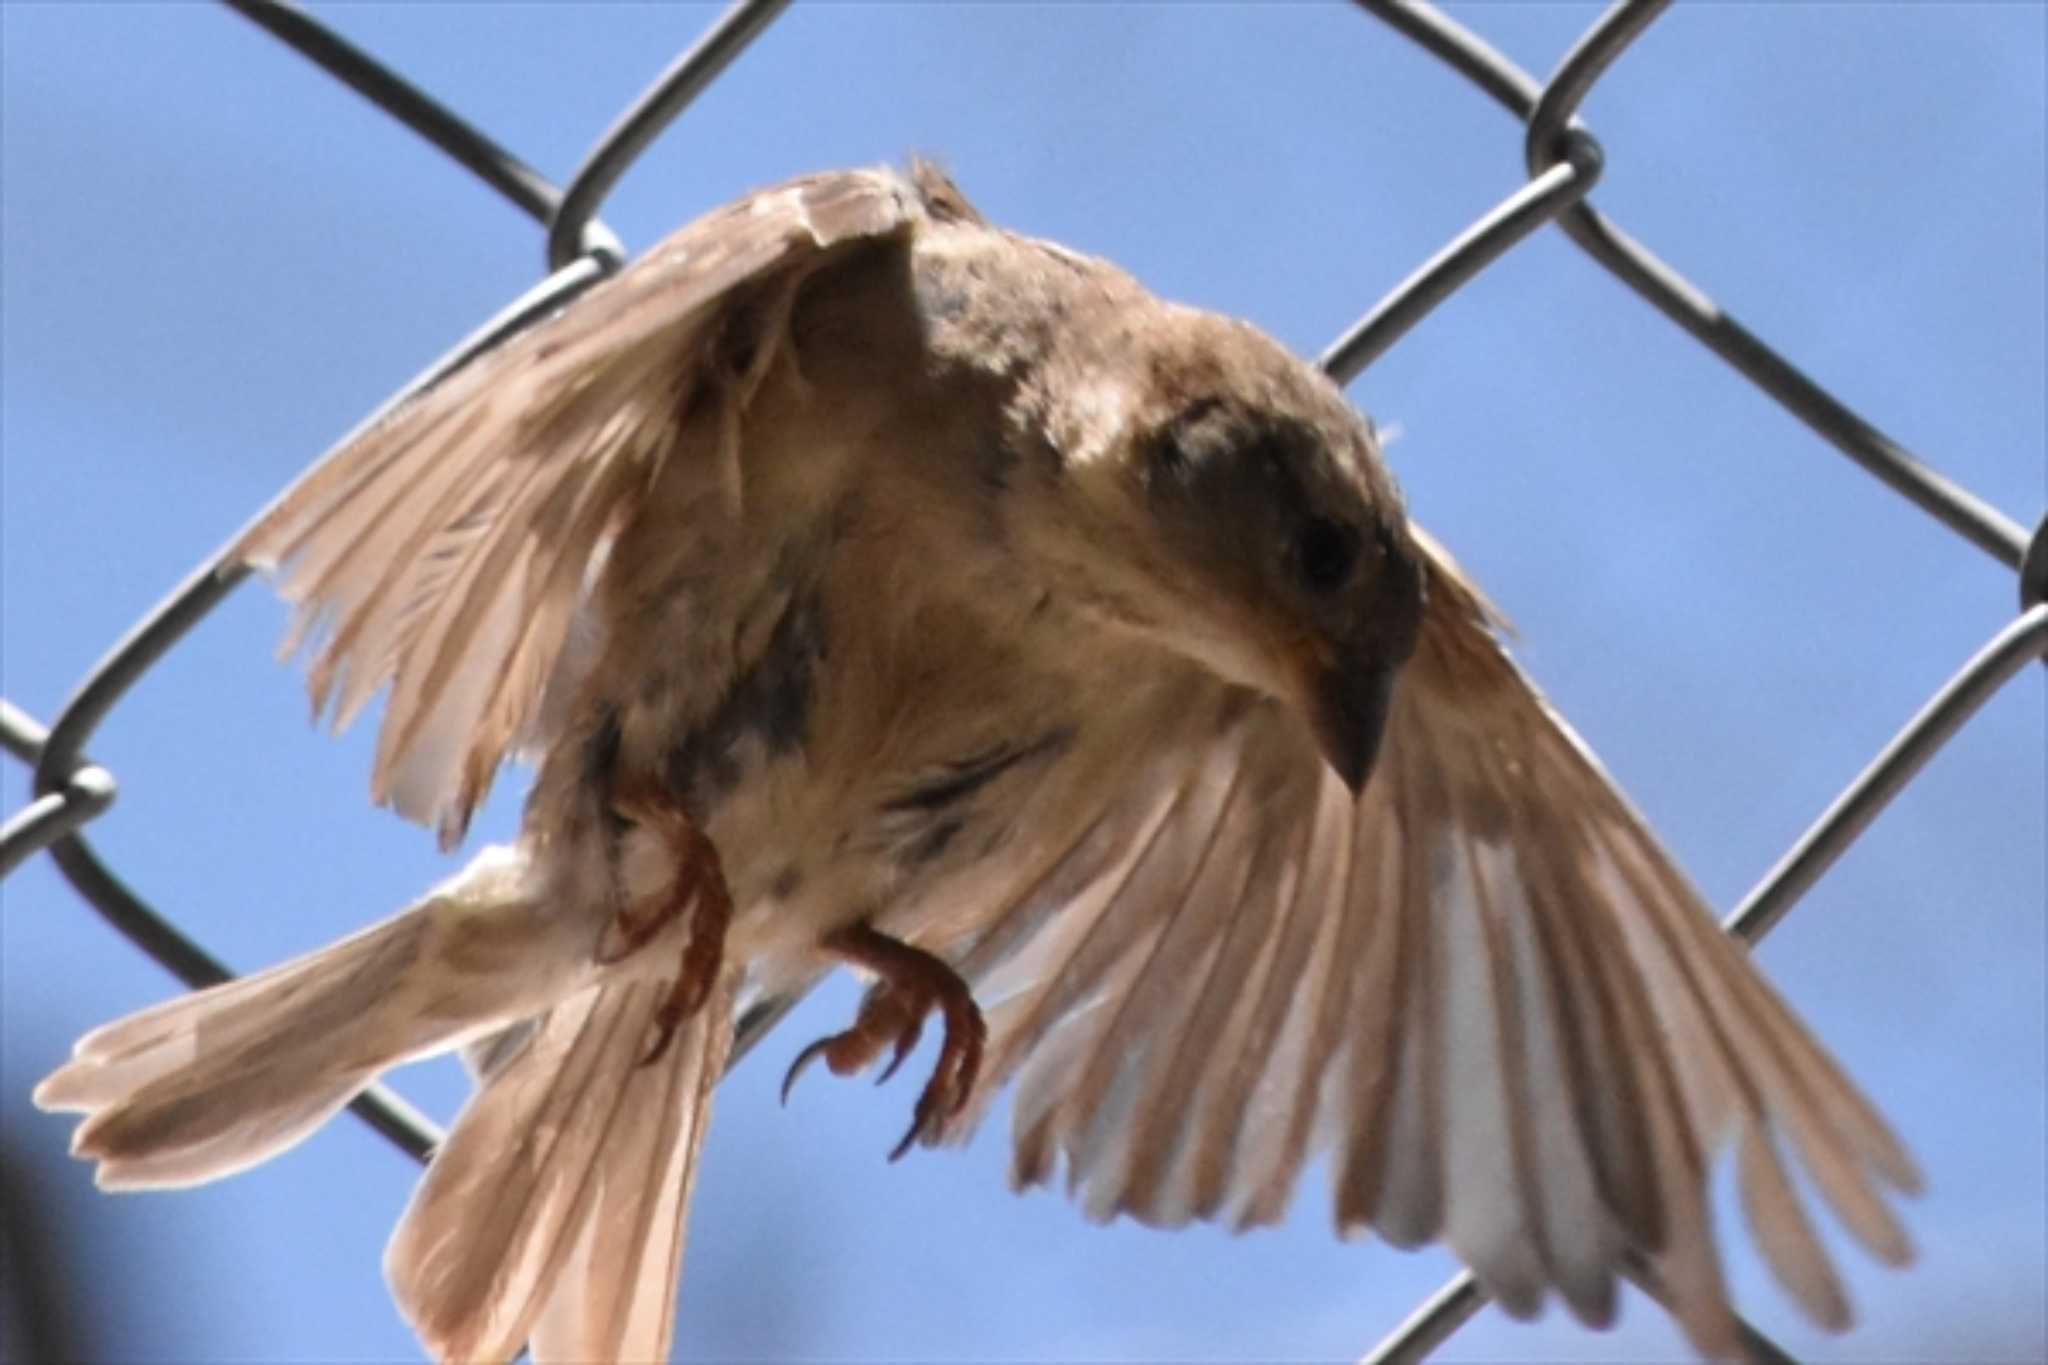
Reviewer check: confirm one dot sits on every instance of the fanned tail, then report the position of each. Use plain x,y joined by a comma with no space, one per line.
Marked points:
554,1214
210,1083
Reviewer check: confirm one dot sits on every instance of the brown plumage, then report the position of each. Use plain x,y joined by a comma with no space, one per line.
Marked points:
968,598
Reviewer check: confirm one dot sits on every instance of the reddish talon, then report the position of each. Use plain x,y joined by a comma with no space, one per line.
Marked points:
697,889
952,1082
912,983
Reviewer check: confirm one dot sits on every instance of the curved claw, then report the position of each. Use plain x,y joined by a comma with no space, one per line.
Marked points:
916,1127
803,1060
913,982
906,1043
932,1105
947,1092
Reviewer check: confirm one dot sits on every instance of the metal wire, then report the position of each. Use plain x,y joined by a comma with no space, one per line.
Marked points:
1670,292
1564,163
643,121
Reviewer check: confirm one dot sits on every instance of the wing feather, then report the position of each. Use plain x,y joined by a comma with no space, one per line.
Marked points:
1482,988
1165,1114
1100,1096
1401,1190
1058,1015
1226,1011
1365,1039
445,550
1245,1130
1139,1062
1490,1220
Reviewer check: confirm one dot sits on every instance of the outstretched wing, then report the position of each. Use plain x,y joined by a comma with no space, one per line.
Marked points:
446,549
1481,988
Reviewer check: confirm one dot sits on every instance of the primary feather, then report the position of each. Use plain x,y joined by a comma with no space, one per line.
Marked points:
1483,989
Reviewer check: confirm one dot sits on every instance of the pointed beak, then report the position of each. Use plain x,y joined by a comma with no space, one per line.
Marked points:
1348,710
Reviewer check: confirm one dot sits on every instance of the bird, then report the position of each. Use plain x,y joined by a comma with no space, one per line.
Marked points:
870,586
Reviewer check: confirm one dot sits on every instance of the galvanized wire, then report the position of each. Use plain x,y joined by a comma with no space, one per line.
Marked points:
1544,109
644,119
1564,162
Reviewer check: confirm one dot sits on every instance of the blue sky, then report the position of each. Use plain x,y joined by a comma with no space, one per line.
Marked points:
217,260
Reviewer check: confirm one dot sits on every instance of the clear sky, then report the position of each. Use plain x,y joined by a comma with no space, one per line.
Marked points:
216,260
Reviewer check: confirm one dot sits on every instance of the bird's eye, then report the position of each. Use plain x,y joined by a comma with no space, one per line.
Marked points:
1325,552
1169,461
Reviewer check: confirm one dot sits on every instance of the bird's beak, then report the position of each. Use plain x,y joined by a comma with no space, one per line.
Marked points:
1348,709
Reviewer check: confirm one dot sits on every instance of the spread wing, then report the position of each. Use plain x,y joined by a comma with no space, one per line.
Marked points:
1481,989
446,549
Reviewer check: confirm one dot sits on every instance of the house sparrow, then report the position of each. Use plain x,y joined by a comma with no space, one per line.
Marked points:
873,586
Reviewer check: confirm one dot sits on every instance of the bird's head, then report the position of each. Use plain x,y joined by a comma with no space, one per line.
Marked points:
1222,499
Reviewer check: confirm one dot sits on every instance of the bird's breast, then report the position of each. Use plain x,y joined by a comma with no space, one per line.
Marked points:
893,732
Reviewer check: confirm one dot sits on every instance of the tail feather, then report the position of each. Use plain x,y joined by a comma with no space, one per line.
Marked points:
555,1209
205,1085
616,1298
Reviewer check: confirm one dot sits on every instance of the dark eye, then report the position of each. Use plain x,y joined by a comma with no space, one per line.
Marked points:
1325,552
1169,461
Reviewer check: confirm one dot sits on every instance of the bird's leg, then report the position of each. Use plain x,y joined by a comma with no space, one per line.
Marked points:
912,983
697,889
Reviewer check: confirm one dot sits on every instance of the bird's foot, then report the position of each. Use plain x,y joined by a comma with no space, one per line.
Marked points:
912,983
697,890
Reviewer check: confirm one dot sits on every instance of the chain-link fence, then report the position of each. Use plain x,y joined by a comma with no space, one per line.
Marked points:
1564,161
